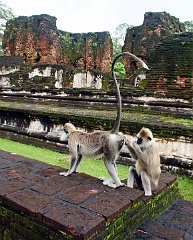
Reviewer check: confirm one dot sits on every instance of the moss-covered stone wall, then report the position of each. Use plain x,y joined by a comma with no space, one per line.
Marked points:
38,40
91,51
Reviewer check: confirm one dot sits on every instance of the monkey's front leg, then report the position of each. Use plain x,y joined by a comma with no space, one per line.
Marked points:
73,166
131,150
140,154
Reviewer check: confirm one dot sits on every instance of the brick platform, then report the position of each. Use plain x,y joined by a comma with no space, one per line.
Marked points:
37,203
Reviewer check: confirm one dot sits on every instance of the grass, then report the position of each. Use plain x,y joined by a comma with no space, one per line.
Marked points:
185,186
184,121
96,167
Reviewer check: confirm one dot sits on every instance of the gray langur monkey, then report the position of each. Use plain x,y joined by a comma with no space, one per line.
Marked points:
147,168
106,144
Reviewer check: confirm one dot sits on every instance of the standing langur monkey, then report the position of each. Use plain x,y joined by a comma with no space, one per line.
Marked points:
106,144
147,168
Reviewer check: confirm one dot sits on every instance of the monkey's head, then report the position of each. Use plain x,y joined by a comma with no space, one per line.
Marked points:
68,129
144,138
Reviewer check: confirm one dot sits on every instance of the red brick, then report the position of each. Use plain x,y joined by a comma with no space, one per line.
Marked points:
168,179
14,186
111,203
74,220
30,202
79,193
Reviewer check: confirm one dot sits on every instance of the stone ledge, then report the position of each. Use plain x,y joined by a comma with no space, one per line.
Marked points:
37,203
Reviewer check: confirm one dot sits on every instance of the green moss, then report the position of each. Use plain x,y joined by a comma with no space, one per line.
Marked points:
142,84
71,47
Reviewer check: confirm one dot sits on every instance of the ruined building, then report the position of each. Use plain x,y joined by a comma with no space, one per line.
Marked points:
62,59
162,42
39,42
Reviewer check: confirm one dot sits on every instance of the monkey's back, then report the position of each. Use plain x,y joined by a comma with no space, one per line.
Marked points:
88,144
94,145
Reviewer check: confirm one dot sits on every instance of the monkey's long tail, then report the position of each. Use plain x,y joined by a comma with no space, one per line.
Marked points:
119,103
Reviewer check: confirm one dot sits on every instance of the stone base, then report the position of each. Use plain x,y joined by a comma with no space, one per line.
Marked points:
37,203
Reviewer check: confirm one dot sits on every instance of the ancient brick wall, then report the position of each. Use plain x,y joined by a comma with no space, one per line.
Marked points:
34,38
142,39
162,42
171,64
91,51
38,40
8,62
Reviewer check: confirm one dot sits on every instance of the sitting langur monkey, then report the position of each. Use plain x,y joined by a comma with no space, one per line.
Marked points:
106,144
147,168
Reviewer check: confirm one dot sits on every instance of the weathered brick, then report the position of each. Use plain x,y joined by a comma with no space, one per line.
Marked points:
162,231
83,192
74,220
31,202
13,186
109,204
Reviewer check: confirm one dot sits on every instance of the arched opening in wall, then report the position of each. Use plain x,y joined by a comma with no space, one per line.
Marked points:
37,59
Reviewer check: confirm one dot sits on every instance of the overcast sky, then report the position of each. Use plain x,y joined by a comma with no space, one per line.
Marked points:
79,16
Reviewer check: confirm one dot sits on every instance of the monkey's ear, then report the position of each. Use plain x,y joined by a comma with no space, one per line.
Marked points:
149,138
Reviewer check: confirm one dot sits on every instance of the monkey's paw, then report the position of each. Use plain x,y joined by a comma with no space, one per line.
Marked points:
110,182
148,194
65,174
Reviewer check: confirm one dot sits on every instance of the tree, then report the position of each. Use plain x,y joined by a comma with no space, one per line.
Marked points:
120,32
189,26
118,39
5,14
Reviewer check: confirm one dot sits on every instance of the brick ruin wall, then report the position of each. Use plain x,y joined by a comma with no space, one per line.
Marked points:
161,41
38,40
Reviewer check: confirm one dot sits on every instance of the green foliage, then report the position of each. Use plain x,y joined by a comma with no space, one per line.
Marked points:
142,84
185,185
118,38
119,69
117,48
120,31
5,11
189,26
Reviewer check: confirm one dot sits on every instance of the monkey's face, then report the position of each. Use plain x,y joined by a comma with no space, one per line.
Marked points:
64,135
68,128
144,138
139,140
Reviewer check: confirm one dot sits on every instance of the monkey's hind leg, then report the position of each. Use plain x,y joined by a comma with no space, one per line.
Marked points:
130,179
146,181
112,170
